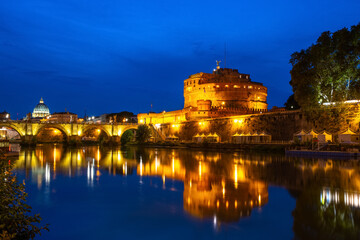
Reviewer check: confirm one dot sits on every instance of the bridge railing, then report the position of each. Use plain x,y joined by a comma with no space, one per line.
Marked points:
62,122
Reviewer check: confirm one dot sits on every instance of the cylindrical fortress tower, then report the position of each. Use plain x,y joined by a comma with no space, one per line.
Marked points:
204,105
225,88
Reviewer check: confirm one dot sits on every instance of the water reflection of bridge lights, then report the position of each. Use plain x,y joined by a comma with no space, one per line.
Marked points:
90,172
141,166
235,177
200,170
328,196
47,174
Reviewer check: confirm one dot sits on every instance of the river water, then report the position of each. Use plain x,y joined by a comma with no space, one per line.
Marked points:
149,193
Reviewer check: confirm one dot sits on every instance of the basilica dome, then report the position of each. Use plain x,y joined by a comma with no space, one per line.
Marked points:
41,110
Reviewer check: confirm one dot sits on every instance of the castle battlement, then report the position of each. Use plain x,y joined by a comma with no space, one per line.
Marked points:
224,92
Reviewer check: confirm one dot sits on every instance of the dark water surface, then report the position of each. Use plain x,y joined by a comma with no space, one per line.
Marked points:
96,193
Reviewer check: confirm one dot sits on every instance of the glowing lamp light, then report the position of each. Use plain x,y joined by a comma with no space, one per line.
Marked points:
141,120
119,132
98,130
202,124
223,103
79,132
235,120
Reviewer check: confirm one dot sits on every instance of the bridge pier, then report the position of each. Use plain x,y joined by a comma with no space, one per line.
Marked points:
74,138
115,139
28,139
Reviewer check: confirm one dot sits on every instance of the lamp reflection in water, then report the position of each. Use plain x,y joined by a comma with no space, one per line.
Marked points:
90,172
349,198
47,174
213,187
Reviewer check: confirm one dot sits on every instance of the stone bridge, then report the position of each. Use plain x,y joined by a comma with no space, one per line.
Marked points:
72,131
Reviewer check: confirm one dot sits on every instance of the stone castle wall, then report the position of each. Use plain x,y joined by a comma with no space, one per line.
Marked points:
225,88
280,125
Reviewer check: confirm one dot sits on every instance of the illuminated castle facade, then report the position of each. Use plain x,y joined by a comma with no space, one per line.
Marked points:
224,92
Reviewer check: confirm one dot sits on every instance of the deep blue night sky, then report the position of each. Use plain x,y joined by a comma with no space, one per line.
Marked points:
112,55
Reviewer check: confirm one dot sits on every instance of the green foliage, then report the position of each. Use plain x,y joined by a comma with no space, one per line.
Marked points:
103,137
328,71
15,221
331,119
316,220
143,133
127,137
291,103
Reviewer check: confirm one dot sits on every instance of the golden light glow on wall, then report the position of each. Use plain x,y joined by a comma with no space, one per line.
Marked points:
203,124
239,121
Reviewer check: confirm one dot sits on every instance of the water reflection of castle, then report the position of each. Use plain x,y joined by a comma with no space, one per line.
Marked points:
226,197
222,186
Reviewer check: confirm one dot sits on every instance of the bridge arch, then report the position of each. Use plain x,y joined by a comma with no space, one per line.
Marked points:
13,126
94,126
131,127
55,126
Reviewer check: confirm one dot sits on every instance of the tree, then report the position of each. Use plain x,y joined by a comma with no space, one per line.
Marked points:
291,103
15,221
143,133
127,137
327,71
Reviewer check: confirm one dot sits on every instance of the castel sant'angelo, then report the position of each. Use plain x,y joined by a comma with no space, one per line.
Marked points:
227,103
224,92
